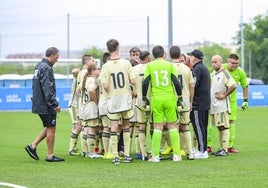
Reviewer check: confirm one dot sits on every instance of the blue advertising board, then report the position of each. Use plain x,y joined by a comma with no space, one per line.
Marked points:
20,98
12,99
258,95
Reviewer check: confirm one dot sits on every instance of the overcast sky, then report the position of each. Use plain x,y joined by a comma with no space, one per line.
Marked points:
34,25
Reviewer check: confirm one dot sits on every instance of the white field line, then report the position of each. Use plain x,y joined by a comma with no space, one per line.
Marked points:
11,185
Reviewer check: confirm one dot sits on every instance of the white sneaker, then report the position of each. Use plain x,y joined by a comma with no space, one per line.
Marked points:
176,158
194,150
154,159
200,155
94,155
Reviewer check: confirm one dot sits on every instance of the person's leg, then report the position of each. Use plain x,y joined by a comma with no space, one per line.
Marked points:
222,122
74,137
106,134
39,138
174,139
185,135
106,139
91,141
205,128
182,138
50,139
187,139
198,120
195,143
166,140
232,127
97,140
137,142
101,150
120,139
156,140
142,140
212,132
131,131
113,138
126,137
224,136
76,129
83,138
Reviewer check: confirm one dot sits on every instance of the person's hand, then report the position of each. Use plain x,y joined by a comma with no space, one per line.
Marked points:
57,109
244,105
180,103
145,102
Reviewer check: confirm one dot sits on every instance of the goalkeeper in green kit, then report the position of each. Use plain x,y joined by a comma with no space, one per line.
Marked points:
239,76
165,97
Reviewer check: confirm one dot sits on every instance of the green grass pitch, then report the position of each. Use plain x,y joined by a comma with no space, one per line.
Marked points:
249,168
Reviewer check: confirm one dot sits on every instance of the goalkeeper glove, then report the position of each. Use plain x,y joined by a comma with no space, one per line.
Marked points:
244,105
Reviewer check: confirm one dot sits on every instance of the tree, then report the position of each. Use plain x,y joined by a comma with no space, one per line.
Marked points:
256,46
214,49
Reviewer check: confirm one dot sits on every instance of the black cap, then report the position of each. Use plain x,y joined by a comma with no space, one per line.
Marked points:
197,53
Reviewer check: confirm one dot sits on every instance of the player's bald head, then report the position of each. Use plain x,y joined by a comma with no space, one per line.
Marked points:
216,58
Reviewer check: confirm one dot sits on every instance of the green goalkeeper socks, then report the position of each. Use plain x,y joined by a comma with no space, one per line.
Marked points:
156,142
212,131
232,135
175,140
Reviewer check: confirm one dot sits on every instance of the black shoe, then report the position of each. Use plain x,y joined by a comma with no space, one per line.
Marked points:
32,152
54,159
221,153
127,159
116,160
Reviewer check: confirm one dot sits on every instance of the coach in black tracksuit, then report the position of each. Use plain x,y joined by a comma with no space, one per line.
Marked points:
201,102
45,104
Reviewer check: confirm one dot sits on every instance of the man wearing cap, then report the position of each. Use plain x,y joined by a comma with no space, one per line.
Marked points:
201,103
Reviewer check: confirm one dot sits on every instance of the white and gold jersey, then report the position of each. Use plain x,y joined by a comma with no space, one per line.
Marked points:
80,78
220,83
89,108
103,109
117,74
138,71
142,114
185,77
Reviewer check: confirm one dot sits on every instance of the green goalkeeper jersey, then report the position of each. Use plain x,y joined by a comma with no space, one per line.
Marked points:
160,72
240,78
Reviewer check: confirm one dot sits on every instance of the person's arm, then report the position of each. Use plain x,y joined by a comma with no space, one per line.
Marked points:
230,90
245,93
178,89
244,105
105,86
177,85
103,78
244,85
145,85
230,84
48,88
191,89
